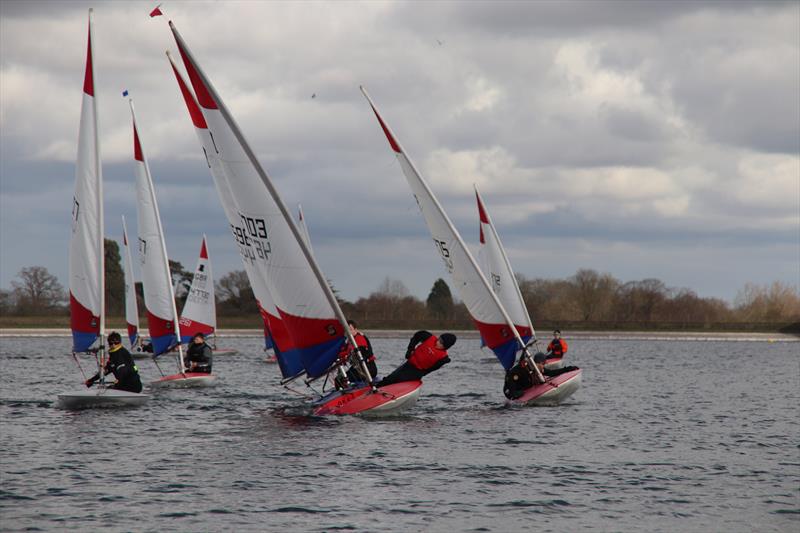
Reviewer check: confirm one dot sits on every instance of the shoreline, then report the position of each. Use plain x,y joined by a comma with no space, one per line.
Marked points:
472,334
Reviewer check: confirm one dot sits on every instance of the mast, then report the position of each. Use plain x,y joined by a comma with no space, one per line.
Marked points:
505,259
399,150
323,283
175,324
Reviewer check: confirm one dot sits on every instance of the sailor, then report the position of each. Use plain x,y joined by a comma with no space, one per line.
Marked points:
365,348
198,355
540,359
425,353
121,364
557,347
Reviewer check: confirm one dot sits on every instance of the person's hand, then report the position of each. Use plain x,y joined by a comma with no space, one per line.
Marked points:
89,382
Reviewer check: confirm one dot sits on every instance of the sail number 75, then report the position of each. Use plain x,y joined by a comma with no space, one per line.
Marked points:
445,253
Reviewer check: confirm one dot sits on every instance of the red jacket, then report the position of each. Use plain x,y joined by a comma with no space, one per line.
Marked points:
558,347
426,354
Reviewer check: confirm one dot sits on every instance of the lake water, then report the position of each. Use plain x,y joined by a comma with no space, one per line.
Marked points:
663,436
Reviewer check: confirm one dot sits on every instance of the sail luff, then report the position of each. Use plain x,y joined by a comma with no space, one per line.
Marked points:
100,216
213,100
403,157
485,212
162,243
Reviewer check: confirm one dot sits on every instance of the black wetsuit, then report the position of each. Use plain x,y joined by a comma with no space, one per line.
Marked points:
121,364
200,354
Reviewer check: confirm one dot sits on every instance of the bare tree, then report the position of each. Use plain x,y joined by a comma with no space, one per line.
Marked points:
37,290
593,293
235,294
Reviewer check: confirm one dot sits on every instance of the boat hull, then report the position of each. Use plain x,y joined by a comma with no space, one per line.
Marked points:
387,401
554,363
187,380
99,398
554,391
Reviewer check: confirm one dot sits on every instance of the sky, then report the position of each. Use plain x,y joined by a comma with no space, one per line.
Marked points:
642,139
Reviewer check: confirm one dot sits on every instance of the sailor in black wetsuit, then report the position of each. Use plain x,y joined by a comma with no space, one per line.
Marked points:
121,364
198,356
520,377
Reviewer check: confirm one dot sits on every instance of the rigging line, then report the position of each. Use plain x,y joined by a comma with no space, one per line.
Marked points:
75,356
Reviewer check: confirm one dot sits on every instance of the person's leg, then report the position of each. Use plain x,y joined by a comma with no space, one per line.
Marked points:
405,372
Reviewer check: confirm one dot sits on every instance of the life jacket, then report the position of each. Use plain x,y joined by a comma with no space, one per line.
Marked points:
426,354
362,342
558,347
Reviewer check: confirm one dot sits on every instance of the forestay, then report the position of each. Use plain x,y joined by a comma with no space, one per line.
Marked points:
199,313
304,301
156,278
86,257
131,307
276,336
486,311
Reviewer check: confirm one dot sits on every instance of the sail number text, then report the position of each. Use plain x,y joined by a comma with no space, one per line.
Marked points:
445,253
251,237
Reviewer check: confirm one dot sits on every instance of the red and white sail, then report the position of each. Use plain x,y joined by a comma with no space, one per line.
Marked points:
131,307
497,329
302,297
199,313
86,256
275,333
498,271
159,299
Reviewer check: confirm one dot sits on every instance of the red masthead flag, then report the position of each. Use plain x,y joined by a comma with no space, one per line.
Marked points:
156,12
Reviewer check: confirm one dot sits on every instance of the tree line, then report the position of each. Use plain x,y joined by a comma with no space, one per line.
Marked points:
587,299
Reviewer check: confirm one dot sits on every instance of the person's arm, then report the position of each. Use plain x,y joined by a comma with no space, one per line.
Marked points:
419,336
439,364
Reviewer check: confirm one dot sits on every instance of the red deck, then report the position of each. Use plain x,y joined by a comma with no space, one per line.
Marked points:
363,399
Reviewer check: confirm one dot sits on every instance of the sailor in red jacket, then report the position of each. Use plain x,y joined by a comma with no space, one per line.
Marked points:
365,348
425,353
557,347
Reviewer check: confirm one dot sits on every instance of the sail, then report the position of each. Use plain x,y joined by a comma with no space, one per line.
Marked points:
498,271
276,336
86,258
304,301
159,300
199,313
486,311
131,308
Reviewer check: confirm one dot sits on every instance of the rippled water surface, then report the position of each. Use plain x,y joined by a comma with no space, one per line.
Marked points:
663,436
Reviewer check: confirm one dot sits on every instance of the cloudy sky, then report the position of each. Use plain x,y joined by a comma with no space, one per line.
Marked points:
652,139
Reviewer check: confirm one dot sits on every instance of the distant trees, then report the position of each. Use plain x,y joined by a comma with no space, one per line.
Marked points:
36,291
114,278
181,282
774,302
234,294
440,300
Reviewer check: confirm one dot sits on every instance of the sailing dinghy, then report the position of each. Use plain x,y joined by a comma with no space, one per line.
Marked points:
314,328
505,331
199,314
159,298
86,259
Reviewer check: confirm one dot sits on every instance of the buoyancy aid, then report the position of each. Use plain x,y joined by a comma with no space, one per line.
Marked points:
426,354
558,347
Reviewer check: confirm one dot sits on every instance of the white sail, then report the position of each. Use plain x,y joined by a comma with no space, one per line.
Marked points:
159,299
498,330
199,313
497,268
275,333
301,222
131,307
300,291
86,257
